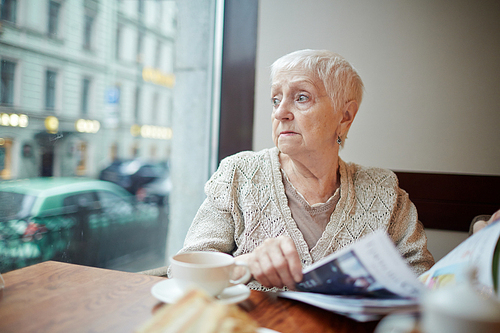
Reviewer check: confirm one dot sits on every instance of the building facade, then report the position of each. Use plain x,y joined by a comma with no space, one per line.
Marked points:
84,82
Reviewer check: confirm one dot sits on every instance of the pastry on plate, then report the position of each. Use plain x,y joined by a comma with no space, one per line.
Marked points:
199,313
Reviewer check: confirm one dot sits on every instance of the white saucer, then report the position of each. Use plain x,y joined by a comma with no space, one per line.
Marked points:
168,291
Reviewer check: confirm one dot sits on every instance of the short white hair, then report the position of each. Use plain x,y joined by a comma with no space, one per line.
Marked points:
341,80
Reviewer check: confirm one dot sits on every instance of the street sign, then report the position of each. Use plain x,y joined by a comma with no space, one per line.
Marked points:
112,95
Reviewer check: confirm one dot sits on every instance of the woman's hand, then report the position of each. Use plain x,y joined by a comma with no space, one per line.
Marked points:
481,224
275,263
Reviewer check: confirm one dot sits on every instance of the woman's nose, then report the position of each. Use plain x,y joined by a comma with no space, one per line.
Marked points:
283,111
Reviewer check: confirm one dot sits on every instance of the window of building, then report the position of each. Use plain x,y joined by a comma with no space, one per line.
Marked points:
140,8
152,152
135,150
81,158
137,104
85,95
50,89
8,10
54,12
140,38
87,32
118,42
113,151
5,158
7,85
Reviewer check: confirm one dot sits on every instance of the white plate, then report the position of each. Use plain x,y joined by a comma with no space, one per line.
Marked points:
168,291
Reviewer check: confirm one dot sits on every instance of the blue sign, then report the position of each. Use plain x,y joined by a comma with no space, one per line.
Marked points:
113,95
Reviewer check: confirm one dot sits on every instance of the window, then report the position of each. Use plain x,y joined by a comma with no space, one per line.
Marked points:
54,9
85,96
5,158
113,204
7,87
117,42
113,152
135,150
81,152
140,8
137,104
57,82
87,32
50,89
8,9
80,200
140,38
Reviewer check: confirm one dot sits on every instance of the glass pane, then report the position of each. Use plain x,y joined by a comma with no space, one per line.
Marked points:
50,89
7,87
106,129
54,8
9,10
89,20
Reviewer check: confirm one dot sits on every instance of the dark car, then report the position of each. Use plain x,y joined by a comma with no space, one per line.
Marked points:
133,174
84,221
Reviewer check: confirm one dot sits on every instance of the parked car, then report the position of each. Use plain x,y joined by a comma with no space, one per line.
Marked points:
77,220
133,174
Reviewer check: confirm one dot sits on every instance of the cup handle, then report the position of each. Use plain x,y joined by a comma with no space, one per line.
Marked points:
245,278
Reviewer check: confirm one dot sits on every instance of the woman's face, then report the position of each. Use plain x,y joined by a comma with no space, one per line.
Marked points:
304,121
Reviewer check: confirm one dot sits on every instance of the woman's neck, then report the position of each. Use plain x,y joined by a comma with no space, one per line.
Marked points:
316,179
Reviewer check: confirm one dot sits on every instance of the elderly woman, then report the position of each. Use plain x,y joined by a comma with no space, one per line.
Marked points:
284,208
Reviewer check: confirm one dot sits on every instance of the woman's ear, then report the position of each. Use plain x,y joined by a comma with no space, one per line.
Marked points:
349,112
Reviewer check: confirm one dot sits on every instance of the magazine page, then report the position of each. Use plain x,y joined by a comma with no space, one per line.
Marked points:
353,304
477,251
371,267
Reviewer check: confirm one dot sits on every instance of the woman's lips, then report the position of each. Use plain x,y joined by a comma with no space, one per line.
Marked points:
287,133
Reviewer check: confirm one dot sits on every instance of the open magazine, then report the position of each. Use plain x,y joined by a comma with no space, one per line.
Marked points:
369,278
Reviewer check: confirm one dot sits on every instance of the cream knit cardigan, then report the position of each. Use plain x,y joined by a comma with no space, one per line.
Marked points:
246,204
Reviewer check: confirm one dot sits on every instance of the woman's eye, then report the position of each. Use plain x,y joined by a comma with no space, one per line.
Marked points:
275,101
302,98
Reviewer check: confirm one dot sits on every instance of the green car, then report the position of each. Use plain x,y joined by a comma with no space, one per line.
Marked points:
78,220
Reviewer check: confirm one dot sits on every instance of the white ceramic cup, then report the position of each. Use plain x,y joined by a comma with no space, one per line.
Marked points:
210,271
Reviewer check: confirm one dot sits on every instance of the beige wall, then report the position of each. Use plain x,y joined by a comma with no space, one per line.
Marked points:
431,71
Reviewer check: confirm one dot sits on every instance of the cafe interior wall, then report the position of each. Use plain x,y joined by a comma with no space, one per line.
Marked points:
431,72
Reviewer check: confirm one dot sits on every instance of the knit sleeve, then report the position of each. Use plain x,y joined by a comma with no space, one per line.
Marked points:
409,236
213,227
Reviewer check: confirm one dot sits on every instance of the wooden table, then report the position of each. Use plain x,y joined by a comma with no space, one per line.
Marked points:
61,297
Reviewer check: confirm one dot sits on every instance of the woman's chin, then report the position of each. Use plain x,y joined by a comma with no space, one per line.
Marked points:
286,149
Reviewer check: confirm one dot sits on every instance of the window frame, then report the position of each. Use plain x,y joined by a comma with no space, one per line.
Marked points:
238,77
